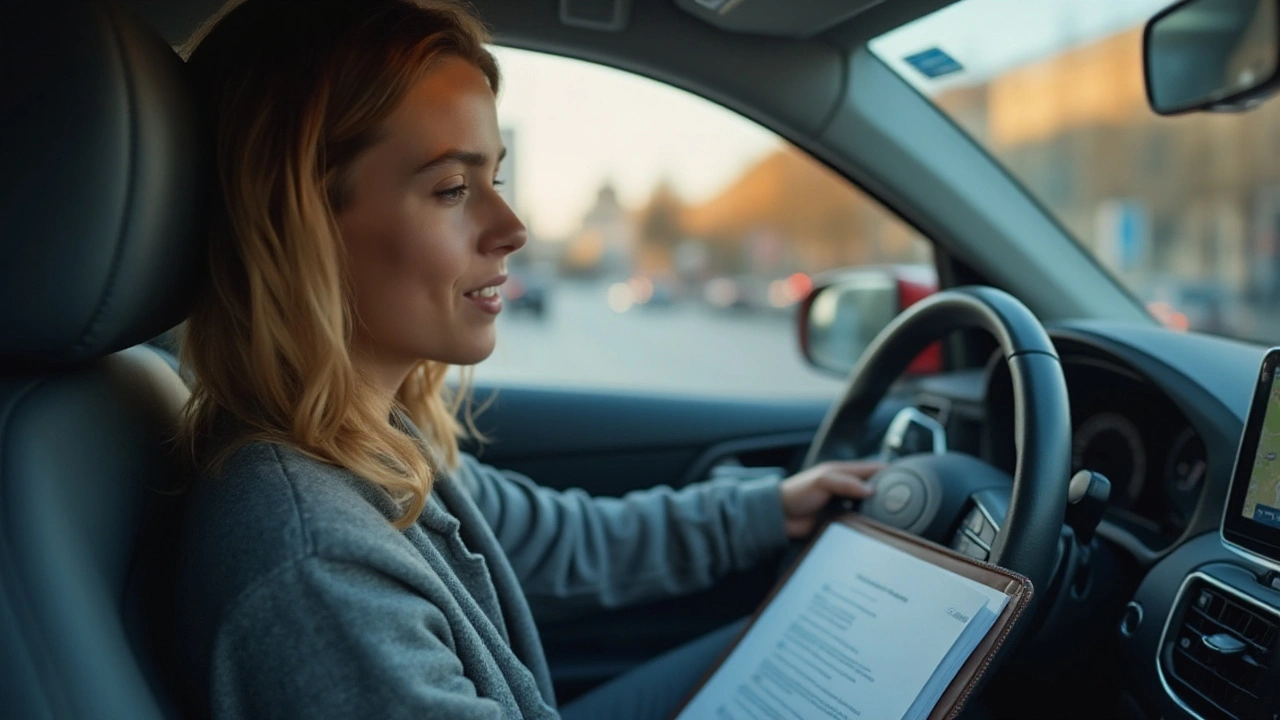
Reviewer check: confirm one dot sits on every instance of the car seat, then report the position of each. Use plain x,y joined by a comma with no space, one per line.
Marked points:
103,176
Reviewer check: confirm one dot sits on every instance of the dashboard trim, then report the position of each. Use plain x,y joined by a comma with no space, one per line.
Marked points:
1248,554
1130,543
1173,610
1177,600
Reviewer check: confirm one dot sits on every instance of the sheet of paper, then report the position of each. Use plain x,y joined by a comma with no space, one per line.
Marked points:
960,652
964,647
951,664
856,632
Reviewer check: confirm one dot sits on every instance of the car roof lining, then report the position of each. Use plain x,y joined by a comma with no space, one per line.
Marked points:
790,82
777,18
176,19
789,85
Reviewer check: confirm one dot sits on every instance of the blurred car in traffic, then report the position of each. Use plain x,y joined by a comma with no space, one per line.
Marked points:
757,292
526,290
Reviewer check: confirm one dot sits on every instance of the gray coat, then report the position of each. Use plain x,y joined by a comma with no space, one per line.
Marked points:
298,599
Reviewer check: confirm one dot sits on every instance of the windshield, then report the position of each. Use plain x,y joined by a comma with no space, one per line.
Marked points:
1185,211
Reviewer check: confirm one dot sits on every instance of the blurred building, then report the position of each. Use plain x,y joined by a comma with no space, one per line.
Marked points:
537,252
507,170
605,244
1192,200
787,213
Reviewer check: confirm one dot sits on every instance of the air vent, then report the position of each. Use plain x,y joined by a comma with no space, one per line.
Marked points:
1216,654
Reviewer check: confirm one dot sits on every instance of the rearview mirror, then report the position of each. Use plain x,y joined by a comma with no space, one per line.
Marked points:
1220,55
847,309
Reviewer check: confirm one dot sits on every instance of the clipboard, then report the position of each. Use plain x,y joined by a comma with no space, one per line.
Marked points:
972,672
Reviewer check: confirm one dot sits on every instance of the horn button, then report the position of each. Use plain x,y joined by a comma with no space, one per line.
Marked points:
899,500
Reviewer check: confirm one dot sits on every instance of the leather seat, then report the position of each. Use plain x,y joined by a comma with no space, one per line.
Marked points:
103,173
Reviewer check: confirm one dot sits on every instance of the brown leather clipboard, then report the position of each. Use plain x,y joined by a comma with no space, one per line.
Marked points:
1017,587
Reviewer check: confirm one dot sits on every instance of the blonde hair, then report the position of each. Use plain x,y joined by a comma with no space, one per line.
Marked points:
295,93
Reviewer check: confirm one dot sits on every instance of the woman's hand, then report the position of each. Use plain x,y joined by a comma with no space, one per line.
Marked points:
806,493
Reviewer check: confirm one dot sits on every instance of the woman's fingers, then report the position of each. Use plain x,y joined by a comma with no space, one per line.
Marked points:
846,484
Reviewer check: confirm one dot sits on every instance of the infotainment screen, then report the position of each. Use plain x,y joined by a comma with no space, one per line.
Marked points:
1262,499
1251,521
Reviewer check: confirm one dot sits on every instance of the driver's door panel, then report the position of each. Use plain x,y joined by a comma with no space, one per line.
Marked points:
566,438
610,443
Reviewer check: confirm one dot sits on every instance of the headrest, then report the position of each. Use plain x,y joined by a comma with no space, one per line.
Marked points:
103,169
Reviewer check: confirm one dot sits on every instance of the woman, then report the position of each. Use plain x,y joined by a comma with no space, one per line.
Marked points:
341,558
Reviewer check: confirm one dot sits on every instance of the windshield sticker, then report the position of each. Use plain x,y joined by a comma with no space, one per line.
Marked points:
934,63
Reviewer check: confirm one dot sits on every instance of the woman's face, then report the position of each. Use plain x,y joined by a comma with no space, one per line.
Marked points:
426,233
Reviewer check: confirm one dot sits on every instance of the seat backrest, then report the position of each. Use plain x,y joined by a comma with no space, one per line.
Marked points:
104,174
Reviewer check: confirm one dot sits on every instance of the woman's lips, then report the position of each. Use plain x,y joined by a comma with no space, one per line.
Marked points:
486,298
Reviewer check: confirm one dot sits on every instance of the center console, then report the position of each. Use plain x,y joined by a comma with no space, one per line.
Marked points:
1217,648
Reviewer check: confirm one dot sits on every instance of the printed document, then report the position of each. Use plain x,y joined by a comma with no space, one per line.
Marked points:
859,630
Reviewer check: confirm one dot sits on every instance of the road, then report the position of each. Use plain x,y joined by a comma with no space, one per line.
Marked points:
684,348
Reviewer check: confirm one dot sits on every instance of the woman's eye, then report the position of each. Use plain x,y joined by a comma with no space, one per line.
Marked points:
498,182
453,194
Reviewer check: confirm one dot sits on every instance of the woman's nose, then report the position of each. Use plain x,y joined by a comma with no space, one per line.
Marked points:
508,233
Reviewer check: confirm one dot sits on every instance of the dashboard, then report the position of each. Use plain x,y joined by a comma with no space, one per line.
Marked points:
1125,427
1160,413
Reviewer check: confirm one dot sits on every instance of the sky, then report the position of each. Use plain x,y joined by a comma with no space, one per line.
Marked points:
577,124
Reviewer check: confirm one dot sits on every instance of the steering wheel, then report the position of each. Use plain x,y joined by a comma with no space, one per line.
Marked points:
927,493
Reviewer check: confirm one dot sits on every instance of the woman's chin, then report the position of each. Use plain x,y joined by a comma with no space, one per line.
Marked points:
473,353
476,360
460,348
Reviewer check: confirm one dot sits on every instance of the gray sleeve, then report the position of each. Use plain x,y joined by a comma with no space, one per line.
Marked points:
573,551
323,639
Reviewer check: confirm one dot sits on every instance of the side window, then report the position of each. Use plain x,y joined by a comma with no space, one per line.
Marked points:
670,239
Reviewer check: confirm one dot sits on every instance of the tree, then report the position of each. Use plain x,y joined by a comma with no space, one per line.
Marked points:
660,224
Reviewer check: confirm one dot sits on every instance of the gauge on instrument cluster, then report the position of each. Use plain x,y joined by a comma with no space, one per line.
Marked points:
1185,470
1109,443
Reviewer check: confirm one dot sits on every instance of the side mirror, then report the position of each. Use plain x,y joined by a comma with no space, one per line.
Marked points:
1219,55
847,309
